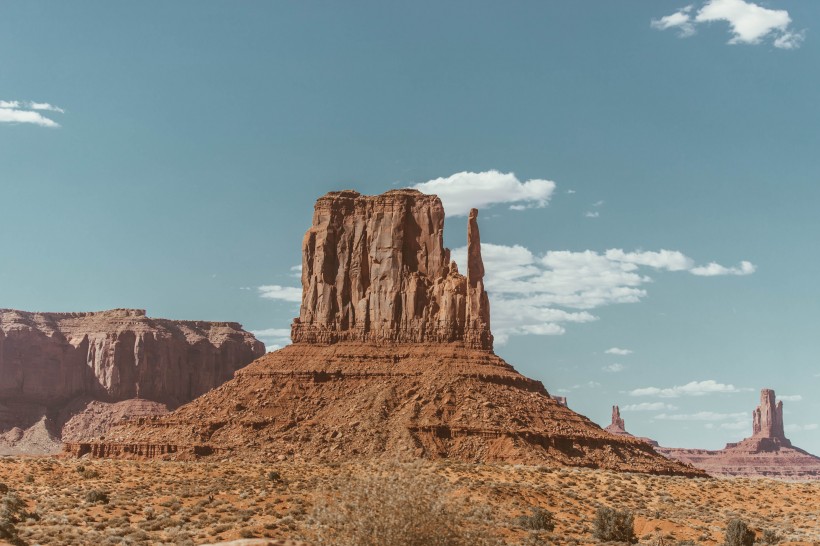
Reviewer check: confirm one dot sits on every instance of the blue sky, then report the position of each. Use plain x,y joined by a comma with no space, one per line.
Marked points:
166,156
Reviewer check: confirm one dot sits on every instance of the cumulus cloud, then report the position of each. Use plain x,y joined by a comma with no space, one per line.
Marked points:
465,190
693,388
613,368
702,416
749,22
618,351
799,428
273,338
790,397
713,269
680,20
15,111
649,406
284,293
536,294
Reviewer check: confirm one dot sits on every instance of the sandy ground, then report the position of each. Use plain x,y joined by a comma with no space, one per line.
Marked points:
158,502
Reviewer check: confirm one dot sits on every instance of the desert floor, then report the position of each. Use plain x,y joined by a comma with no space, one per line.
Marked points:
159,502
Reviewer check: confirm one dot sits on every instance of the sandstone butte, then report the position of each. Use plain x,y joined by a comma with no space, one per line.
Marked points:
70,375
618,427
392,357
766,453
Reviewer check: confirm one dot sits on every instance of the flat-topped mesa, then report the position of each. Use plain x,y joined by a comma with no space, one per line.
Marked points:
375,269
767,418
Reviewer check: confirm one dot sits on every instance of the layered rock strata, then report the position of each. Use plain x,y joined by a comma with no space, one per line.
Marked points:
374,269
766,453
392,357
54,365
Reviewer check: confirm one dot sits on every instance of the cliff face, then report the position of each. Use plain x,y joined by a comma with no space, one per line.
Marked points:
374,268
49,358
61,373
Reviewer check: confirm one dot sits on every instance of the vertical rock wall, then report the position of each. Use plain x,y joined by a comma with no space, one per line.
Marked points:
374,268
767,418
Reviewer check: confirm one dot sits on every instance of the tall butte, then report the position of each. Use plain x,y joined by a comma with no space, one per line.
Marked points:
767,452
392,356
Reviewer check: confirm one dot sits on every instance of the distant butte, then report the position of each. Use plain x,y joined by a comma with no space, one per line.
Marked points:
69,375
392,356
766,453
618,427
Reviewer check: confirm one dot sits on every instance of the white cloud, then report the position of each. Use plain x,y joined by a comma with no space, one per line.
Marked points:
465,190
790,397
680,20
570,192
613,368
649,406
296,271
528,292
284,293
713,269
750,23
670,260
617,351
15,111
799,428
273,338
592,214
735,425
693,388
702,416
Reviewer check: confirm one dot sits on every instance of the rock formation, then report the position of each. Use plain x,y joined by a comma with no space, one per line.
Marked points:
618,427
54,365
766,453
392,357
374,269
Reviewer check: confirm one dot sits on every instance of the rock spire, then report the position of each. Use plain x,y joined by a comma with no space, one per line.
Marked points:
375,269
767,418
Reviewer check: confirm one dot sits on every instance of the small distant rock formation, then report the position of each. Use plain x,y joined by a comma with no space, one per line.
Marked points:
766,453
68,374
618,427
392,357
375,270
560,399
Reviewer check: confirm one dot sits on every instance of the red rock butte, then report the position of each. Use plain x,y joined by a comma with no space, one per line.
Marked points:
618,427
374,269
766,453
392,356
65,374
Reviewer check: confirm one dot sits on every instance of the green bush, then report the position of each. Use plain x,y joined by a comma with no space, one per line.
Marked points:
538,520
614,525
738,534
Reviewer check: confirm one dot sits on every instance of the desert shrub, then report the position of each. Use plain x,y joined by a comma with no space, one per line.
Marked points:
96,496
274,476
770,537
614,525
12,511
538,520
401,506
738,534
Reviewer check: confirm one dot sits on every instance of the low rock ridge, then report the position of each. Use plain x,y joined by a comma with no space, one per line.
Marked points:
375,269
766,453
59,369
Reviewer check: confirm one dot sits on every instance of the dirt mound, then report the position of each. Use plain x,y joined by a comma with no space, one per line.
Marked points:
350,400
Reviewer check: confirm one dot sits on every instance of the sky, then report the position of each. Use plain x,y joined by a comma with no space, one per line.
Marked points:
647,174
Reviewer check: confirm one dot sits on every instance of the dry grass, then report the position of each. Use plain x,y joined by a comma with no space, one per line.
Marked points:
196,502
